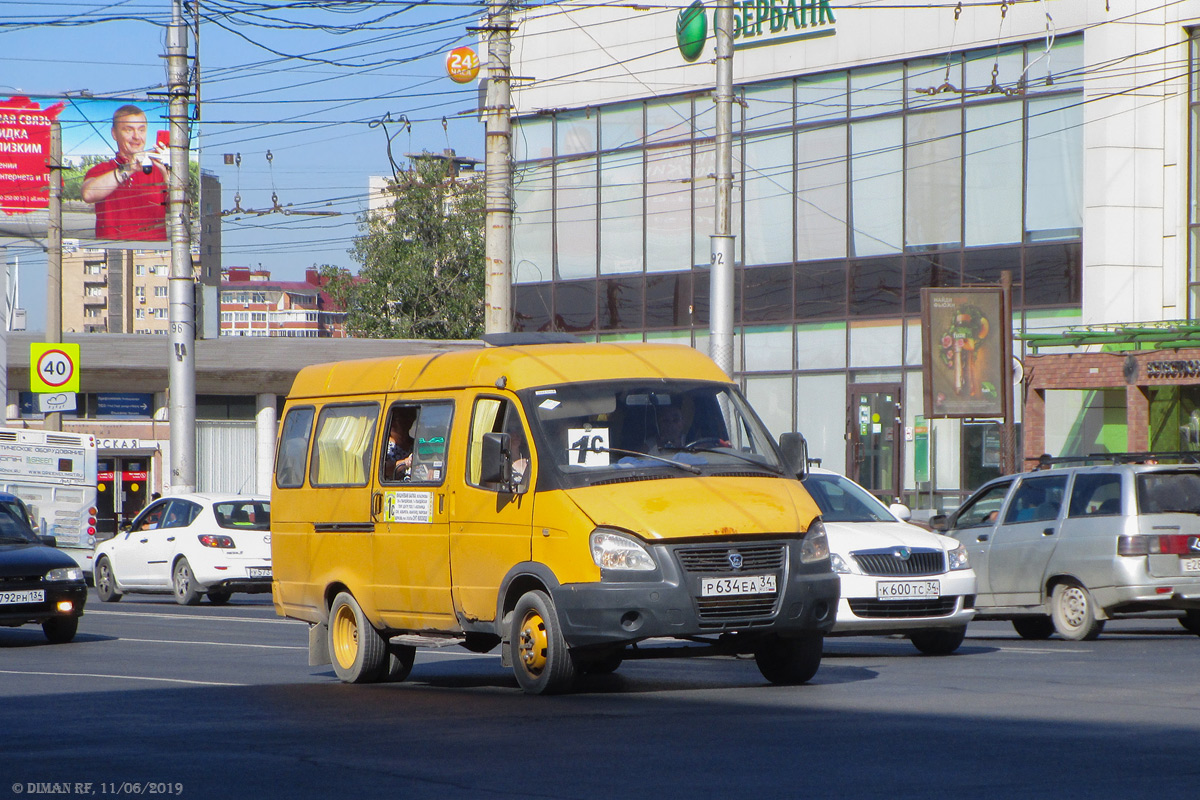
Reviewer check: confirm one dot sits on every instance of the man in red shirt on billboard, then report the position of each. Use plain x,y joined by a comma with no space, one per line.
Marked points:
130,189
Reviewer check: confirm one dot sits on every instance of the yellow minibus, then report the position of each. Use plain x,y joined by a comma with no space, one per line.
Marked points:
575,505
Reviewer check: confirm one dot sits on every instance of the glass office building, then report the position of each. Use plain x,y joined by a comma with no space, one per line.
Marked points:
858,181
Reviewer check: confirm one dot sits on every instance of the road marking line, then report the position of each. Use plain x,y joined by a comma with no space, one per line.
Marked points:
118,677
1039,650
216,644
195,616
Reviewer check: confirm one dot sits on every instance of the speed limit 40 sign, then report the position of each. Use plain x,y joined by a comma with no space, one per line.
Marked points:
53,367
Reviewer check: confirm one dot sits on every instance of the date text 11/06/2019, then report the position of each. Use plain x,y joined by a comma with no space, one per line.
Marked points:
94,788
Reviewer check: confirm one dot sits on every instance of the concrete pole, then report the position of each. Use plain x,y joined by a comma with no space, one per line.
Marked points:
264,440
721,312
53,420
181,373
498,174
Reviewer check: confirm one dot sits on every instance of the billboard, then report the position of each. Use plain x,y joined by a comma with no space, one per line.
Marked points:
965,352
116,159
24,150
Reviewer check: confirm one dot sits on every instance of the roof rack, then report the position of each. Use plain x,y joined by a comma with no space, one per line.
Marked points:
521,338
1158,457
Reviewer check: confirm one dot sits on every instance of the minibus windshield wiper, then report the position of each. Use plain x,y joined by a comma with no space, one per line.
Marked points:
638,454
728,452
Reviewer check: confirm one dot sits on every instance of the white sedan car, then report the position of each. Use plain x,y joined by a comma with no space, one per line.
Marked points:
896,577
190,545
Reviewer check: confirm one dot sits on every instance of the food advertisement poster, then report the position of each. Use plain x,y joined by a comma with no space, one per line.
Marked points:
964,352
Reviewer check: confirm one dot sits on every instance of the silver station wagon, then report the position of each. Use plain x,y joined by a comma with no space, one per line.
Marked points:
1063,550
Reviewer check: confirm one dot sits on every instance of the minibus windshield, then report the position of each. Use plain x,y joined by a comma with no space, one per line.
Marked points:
601,431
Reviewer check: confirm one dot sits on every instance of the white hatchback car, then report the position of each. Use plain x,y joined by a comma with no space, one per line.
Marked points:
190,545
896,577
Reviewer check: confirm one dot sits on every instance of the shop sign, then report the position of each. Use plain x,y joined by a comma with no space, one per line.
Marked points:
119,444
755,23
1173,369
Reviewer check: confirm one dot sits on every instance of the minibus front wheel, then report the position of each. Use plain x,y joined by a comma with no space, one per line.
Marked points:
790,660
540,657
359,653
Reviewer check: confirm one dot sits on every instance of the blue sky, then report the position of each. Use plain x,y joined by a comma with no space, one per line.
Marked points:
292,78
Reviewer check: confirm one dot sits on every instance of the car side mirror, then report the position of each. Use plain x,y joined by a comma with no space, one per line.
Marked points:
794,449
900,510
939,522
49,541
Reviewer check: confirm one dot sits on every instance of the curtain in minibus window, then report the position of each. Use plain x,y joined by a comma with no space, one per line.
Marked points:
344,436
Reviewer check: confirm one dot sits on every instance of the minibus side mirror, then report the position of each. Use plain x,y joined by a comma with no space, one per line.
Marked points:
496,463
795,454
496,466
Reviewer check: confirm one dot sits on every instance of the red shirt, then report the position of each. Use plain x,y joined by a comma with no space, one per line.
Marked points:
137,209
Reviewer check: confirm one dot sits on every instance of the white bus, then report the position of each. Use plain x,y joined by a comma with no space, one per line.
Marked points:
55,474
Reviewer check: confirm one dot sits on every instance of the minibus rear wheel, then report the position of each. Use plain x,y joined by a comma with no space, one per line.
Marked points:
359,653
540,658
790,660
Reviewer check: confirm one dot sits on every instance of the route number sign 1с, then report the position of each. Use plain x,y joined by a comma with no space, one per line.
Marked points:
53,367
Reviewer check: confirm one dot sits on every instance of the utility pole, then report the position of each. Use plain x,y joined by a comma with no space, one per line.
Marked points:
53,419
720,343
498,172
181,291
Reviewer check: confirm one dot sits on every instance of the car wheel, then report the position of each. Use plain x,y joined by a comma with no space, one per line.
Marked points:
219,598
360,654
400,658
106,582
939,642
60,630
1191,620
1075,613
183,582
1034,627
788,660
540,658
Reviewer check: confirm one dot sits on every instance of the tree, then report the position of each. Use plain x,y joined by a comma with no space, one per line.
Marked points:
422,262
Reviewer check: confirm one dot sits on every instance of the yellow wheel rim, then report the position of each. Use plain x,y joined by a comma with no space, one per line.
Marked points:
345,636
533,644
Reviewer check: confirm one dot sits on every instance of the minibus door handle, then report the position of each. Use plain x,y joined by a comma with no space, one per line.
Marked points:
376,505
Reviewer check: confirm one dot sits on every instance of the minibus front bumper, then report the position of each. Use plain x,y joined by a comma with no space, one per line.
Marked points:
696,591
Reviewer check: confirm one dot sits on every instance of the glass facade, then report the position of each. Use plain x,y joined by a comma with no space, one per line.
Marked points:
853,190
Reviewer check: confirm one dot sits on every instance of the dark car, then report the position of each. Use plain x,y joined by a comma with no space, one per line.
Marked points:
38,583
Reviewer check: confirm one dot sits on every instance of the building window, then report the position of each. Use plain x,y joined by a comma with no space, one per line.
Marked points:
140,269
139,313
139,291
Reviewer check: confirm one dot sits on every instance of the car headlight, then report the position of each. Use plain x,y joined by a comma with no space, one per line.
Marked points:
611,550
957,558
815,546
64,574
839,564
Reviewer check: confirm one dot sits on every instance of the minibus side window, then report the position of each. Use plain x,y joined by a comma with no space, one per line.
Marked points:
342,452
413,449
493,415
293,448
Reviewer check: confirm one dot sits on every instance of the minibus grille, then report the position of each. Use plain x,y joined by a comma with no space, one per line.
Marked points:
890,562
716,560
716,612
740,611
903,609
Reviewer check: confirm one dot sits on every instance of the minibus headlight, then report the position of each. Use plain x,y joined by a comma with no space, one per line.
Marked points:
815,545
65,574
612,550
957,558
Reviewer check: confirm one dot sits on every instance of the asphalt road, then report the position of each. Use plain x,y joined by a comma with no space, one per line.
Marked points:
218,702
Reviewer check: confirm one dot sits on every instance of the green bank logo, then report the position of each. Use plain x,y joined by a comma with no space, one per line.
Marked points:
691,31
756,23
